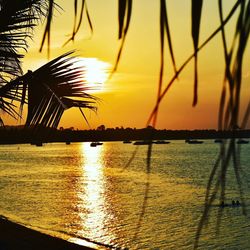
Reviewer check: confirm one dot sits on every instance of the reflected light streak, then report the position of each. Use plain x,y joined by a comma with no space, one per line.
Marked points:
93,192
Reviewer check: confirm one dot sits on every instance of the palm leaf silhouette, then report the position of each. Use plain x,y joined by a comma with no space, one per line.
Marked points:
46,33
230,121
189,59
50,90
17,19
77,24
196,18
124,12
164,27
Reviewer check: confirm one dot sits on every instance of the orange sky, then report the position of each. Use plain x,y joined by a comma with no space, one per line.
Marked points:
129,96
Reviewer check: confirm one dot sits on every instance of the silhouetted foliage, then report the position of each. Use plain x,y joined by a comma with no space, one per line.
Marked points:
49,90
17,21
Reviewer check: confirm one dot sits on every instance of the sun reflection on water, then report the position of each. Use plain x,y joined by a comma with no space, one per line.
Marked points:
95,214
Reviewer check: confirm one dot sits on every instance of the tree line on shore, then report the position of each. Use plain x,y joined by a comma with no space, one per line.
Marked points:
12,135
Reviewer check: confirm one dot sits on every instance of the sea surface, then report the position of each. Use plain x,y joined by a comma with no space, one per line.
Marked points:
80,192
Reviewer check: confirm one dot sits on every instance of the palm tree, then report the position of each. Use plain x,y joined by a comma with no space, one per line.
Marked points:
49,90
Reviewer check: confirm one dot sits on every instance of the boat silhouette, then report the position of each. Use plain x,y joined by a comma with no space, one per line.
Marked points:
95,143
143,142
127,142
193,141
242,141
218,141
161,142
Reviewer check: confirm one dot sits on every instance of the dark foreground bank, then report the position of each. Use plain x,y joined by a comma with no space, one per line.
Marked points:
17,237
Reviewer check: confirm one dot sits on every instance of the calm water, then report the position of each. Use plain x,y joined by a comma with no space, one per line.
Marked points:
76,191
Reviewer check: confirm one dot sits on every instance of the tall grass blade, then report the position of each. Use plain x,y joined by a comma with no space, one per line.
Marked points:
122,5
88,18
167,28
196,18
75,15
77,25
228,75
170,83
124,31
164,26
84,116
222,107
47,30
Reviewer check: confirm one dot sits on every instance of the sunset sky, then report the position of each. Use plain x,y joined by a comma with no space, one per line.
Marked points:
129,96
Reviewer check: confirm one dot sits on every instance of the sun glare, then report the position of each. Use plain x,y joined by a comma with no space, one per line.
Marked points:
95,72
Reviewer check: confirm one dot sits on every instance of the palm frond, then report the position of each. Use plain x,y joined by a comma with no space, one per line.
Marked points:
164,27
48,91
9,93
8,107
1,122
230,152
17,20
124,9
171,82
196,18
77,24
121,16
46,33
55,87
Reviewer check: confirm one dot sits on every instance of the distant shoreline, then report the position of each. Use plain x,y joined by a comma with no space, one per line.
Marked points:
15,135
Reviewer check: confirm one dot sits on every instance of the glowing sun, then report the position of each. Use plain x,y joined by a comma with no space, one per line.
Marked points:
96,72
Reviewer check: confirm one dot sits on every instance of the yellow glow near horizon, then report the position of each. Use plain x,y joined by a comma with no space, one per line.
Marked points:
130,95
95,72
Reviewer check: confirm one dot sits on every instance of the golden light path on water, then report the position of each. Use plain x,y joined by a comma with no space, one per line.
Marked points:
93,186
95,215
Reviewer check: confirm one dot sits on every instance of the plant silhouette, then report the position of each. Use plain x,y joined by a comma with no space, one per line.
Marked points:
51,89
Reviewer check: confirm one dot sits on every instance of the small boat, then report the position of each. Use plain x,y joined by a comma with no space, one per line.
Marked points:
242,141
161,142
95,143
218,141
143,142
67,142
127,142
39,144
194,142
